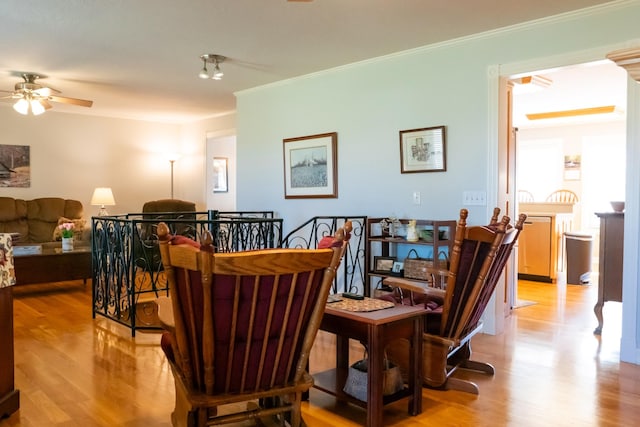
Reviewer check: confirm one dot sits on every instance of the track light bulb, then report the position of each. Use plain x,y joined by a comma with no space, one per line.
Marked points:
204,74
217,73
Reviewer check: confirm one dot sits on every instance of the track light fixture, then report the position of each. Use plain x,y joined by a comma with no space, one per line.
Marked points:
216,60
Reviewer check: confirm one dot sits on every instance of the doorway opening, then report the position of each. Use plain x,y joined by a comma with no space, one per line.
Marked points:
571,135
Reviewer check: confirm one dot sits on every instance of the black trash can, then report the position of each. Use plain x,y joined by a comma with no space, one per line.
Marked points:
578,246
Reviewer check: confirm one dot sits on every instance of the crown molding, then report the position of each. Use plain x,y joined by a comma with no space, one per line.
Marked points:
629,59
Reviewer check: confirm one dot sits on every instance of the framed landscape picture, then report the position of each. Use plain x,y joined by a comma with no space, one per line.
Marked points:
311,166
15,166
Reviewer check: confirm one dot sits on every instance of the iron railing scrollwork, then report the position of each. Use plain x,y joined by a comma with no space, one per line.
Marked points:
127,268
350,275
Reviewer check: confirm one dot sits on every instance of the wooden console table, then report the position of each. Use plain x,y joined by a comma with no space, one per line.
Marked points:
610,262
376,329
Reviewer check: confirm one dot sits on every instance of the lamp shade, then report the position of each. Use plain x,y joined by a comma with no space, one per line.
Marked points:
102,196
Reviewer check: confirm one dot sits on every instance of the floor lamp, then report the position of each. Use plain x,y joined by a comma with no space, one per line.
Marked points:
172,161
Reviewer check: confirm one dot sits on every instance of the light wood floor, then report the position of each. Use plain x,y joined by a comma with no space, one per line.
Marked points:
551,370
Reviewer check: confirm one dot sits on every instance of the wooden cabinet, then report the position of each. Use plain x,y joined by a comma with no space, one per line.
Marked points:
9,396
610,262
541,247
390,244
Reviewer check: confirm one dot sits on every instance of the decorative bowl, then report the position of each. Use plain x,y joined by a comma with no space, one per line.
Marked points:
618,206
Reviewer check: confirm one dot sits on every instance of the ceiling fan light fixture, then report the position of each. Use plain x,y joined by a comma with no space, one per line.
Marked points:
35,98
36,107
22,106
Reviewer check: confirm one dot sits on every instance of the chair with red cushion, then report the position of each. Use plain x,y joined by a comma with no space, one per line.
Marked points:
240,326
452,315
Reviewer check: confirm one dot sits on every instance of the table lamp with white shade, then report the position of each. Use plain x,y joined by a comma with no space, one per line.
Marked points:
103,196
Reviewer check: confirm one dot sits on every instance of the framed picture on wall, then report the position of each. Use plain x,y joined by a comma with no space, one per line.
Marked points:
220,175
15,166
423,150
572,167
311,166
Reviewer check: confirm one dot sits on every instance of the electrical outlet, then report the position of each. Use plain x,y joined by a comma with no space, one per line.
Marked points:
474,198
416,198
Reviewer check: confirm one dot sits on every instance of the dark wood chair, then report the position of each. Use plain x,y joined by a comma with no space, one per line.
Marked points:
240,326
453,315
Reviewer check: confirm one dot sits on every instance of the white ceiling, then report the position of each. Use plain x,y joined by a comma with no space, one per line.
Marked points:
140,58
596,84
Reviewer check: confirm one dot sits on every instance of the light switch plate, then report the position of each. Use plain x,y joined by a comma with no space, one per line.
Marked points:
416,198
474,198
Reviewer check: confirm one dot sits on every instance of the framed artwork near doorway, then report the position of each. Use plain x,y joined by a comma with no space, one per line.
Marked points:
220,175
423,150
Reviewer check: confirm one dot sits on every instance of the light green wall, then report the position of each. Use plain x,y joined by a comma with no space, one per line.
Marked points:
453,84
368,103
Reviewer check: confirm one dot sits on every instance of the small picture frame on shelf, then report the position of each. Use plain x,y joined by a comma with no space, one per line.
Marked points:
397,268
383,264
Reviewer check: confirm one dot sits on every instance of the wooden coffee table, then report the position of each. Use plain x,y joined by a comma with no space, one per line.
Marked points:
53,265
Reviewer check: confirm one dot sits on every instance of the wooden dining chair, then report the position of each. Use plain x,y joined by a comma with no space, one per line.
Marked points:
453,315
240,326
562,196
525,196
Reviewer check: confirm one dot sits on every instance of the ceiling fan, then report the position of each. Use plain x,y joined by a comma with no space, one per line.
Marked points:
35,98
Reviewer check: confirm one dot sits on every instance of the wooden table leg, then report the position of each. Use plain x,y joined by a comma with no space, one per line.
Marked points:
374,376
415,376
342,362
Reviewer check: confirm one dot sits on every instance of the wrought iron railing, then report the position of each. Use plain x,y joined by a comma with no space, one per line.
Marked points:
350,275
127,269
128,272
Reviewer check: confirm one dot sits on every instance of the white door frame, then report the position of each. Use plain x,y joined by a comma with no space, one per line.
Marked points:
497,74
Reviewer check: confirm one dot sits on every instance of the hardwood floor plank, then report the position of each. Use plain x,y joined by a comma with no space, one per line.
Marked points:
73,370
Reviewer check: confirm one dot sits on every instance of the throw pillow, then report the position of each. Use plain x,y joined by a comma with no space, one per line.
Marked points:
78,228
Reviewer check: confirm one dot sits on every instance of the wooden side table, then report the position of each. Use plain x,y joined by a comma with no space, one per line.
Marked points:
376,329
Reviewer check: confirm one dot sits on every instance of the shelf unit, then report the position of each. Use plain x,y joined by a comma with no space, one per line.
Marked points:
381,243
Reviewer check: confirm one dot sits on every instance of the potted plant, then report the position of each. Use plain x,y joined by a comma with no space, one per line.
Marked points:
66,229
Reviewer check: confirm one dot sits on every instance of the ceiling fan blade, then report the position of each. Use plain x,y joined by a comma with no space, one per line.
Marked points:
10,95
73,101
45,91
45,104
